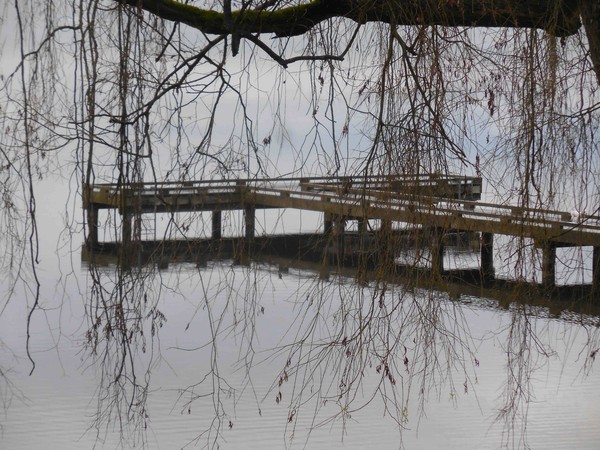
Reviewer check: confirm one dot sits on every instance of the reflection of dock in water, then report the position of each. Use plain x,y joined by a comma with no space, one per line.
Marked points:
303,252
430,208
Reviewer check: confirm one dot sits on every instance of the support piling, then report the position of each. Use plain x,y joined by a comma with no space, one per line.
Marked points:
92,219
250,221
549,265
596,272
437,252
217,229
487,257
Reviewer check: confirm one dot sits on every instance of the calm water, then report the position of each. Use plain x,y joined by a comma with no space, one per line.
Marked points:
225,340
58,406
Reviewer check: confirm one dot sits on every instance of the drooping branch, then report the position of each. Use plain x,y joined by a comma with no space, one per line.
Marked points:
590,14
558,17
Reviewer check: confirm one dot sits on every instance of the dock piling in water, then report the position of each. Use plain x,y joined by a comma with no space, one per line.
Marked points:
487,257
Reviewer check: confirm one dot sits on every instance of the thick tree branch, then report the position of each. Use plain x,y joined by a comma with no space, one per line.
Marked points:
558,17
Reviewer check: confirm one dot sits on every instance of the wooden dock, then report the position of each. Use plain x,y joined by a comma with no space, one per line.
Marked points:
435,203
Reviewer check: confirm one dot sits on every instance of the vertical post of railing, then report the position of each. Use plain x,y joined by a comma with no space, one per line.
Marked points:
217,230
548,266
487,257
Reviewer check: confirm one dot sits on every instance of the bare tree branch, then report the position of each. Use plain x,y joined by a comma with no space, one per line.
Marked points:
559,18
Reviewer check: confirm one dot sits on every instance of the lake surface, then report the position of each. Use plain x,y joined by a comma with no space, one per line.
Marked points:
262,356
440,406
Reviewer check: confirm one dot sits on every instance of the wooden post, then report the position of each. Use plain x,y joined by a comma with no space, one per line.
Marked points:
437,252
363,230
339,229
596,272
126,229
362,224
386,226
92,218
127,255
137,228
385,246
548,265
249,219
217,224
487,256
327,224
